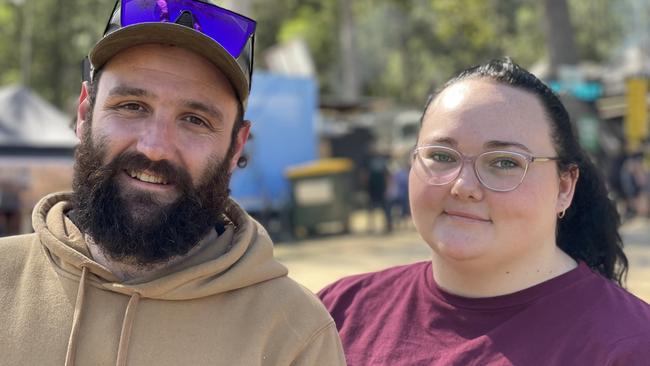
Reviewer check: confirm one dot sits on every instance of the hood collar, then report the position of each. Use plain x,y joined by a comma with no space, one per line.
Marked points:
240,257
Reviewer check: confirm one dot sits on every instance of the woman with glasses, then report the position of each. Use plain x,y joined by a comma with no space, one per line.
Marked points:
527,262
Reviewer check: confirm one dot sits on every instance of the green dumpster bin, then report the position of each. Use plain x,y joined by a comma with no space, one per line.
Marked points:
321,194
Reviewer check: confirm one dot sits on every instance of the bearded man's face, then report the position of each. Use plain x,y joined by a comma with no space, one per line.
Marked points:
136,225
158,144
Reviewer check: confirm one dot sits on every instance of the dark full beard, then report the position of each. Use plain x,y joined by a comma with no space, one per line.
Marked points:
134,226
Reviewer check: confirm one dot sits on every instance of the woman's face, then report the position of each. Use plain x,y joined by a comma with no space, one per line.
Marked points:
464,221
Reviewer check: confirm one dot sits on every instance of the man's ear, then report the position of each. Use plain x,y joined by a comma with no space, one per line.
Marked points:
83,109
242,137
568,181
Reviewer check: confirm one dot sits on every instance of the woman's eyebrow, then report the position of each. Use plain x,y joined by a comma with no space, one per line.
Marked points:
497,144
443,141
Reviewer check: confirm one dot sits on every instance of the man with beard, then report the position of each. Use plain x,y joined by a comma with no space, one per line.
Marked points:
148,261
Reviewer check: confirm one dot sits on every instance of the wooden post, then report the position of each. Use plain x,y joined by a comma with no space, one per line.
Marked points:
636,116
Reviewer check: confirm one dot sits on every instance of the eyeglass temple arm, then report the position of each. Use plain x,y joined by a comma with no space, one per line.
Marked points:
542,158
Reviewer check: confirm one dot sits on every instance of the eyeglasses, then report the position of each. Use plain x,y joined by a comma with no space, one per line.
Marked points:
234,32
499,171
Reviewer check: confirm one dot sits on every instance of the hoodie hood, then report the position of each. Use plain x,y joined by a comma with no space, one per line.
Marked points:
241,256
241,309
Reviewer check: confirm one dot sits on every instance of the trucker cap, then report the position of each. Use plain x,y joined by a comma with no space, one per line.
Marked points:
223,37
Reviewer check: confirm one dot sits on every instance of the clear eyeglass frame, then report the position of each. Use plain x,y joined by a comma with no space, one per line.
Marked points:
421,168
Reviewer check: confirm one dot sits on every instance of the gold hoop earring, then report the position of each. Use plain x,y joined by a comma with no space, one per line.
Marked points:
561,215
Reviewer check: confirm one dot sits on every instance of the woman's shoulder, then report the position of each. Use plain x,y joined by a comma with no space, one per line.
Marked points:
622,322
610,297
612,311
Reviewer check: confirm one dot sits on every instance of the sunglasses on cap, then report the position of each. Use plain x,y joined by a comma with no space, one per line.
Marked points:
234,32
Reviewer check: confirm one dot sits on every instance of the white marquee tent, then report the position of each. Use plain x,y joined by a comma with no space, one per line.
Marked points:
26,120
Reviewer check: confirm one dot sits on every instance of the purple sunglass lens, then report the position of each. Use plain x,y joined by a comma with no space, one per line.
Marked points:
228,29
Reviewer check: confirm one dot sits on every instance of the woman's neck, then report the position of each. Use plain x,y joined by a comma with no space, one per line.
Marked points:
475,279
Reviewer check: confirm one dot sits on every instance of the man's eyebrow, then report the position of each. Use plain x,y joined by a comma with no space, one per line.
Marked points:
496,144
205,108
129,91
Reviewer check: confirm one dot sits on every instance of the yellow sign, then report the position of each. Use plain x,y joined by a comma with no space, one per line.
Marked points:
636,117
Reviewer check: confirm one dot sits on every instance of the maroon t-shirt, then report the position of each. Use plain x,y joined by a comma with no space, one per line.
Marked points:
399,316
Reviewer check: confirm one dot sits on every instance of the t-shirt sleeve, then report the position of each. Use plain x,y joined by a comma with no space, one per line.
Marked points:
340,291
338,297
325,295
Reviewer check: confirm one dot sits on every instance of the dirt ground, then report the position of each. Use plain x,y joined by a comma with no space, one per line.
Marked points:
318,262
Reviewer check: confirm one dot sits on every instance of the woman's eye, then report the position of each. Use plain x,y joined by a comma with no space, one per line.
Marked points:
505,164
442,158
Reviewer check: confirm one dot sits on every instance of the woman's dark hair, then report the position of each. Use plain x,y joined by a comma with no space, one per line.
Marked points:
589,230
93,85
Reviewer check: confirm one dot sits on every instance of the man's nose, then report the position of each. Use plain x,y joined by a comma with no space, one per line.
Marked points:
156,141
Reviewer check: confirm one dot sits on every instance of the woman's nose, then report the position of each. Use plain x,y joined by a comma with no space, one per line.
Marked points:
467,185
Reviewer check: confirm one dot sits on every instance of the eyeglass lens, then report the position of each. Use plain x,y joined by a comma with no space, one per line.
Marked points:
496,170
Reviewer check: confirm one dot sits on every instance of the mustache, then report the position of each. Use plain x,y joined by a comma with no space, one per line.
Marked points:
135,161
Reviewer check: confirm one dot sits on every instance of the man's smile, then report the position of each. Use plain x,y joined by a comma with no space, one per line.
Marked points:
146,177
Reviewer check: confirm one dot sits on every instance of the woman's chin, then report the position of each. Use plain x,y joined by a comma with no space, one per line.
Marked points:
459,246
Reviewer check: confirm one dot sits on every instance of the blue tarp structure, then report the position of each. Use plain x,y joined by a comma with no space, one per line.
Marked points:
586,92
282,110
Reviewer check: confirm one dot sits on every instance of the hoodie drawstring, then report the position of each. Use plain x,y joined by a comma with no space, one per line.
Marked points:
74,332
129,315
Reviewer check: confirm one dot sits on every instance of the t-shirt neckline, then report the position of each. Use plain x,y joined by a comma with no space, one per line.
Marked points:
520,297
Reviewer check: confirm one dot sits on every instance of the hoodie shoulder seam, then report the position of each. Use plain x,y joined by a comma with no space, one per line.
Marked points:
316,334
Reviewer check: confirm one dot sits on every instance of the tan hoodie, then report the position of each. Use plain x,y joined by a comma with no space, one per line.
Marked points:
230,303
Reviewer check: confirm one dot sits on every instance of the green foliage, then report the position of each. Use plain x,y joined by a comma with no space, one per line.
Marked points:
524,39
409,47
404,48
62,32
599,27
9,38
314,23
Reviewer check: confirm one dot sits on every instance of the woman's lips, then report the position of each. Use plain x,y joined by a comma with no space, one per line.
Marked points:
466,216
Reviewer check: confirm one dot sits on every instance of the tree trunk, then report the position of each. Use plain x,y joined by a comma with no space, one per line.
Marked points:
26,43
559,35
57,57
351,86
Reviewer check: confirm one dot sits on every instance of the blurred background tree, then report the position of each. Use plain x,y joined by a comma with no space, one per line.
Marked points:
376,48
43,42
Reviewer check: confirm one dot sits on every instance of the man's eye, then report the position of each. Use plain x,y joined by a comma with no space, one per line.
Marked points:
195,120
134,107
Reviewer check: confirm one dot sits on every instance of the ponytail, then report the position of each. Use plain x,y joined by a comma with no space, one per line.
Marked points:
589,230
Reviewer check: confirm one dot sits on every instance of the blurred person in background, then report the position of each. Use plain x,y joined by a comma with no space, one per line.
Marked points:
9,210
527,261
635,183
148,261
376,179
397,192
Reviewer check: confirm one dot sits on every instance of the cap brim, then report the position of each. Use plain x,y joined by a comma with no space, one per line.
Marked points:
174,35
